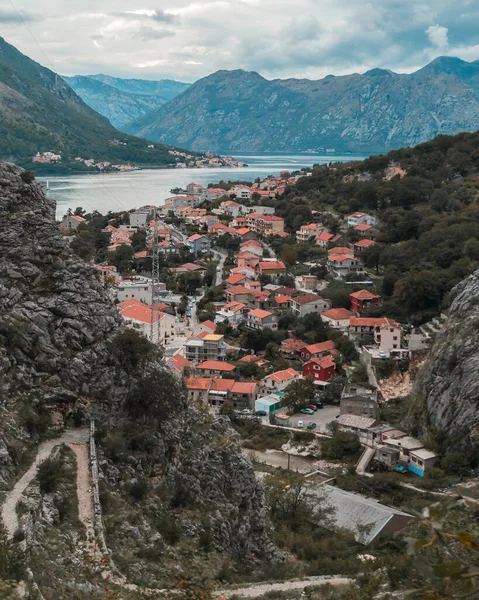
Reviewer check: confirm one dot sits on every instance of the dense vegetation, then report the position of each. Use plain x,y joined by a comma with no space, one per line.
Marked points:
428,236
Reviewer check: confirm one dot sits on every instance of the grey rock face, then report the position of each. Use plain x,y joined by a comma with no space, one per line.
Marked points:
450,378
57,326
236,111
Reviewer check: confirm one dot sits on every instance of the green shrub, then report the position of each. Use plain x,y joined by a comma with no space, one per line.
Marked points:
138,490
50,474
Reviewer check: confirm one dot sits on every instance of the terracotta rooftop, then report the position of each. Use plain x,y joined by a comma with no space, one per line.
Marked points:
322,347
260,314
306,298
363,295
338,314
216,365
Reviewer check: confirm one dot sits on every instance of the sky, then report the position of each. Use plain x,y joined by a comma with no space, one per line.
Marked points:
189,39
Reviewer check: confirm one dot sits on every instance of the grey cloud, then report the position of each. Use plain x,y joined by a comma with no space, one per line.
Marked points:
160,16
150,33
17,16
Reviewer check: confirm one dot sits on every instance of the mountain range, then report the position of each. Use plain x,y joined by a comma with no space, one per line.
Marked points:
40,112
232,111
124,100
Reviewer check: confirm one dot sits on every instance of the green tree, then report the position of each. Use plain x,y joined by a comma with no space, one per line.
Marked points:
122,259
298,393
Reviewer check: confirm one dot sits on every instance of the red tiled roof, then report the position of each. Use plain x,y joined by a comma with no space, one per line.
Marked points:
273,265
142,254
244,387
197,383
372,322
306,298
216,365
250,358
341,257
243,231
292,345
325,363
338,314
324,237
139,313
234,279
211,326
195,237
222,385
363,227
340,250
322,347
363,295
178,362
285,375
282,299
365,243
237,290
261,314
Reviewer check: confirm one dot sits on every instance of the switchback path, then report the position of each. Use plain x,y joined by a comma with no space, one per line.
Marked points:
9,507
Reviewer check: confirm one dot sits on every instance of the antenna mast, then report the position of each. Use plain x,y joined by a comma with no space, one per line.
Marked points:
155,280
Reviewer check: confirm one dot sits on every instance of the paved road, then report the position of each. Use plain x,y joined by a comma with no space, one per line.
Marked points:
222,256
255,590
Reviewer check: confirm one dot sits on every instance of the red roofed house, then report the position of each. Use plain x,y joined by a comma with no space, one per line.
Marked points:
291,347
231,208
238,293
235,279
359,218
309,231
178,363
265,224
199,244
386,332
273,268
316,350
278,381
341,265
324,239
215,367
252,246
308,303
244,394
140,255
366,231
320,369
247,259
206,326
71,223
138,316
198,388
246,234
363,245
261,319
338,318
362,300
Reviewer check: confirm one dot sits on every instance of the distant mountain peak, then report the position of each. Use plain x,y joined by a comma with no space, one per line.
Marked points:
450,65
379,73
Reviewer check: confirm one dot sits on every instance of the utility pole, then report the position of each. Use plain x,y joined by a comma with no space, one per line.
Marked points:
155,281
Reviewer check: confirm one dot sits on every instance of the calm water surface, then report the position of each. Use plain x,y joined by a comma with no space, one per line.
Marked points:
123,191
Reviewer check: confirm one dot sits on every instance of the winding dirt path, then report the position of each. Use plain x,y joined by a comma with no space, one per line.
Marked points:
259,589
9,507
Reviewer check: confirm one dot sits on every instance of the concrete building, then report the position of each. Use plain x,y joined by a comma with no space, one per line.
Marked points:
139,218
363,300
209,347
138,288
360,218
268,404
386,332
342,265
199,244
359,406
308,303
421,461
278,381
338,318
71,223
261,319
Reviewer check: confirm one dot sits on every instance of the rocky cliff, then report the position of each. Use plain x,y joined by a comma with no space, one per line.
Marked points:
449,380
237,111
65,356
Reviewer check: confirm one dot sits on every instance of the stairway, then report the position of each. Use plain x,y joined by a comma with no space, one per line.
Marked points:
364,461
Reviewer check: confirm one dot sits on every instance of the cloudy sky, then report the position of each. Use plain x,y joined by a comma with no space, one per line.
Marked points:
188,39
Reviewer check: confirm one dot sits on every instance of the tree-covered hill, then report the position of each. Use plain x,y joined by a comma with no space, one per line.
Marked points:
39,112
426,199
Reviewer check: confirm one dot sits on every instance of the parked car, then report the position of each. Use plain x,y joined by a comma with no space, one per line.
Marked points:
382,354
300,424
313,407
311,425
245,411
261,413
307,411
319,405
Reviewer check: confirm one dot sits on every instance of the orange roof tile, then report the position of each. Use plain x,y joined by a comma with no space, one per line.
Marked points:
234,279
340,250
285,375
363,227
244,387
322,347
221,385
325,363
363,295
198,383
238,290
216,365
338,314
365,243
260,314
372,322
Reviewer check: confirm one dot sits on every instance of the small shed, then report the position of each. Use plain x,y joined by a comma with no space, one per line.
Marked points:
421,461
283,420
387,456
268,403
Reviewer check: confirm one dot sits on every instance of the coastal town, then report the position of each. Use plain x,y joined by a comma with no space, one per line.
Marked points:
259,336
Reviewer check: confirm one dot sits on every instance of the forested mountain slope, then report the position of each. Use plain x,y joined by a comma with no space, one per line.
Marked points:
39,112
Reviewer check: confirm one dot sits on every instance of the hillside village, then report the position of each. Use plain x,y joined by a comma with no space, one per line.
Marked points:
259,338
